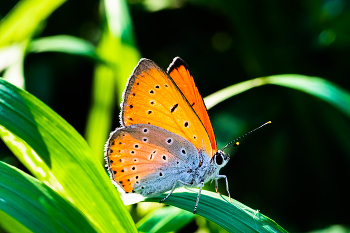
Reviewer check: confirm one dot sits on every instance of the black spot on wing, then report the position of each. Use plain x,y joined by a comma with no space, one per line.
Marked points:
174,107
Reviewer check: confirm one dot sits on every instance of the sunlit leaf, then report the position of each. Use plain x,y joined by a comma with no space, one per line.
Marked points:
63,44
234,216
11,224
166,219
32,206
321,88
118,49
55,150
24,19
16,29
11,60
219,96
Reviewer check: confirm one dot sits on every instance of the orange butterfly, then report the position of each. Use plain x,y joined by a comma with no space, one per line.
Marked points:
166,139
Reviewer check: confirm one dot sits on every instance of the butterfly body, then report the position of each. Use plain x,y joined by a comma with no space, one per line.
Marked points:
166,139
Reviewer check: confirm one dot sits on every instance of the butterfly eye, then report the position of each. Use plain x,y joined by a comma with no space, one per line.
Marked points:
219,159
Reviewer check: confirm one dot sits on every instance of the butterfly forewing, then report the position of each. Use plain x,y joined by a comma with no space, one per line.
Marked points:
180,73
152,97
141,157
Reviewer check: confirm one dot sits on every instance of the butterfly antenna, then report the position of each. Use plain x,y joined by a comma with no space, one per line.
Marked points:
237,143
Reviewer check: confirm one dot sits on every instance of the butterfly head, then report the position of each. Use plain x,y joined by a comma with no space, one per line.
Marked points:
220,158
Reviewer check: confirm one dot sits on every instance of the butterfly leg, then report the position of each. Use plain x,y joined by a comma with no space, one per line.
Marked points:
199,193
216,182
173,188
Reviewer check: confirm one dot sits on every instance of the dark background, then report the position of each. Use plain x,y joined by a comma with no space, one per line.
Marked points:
296,170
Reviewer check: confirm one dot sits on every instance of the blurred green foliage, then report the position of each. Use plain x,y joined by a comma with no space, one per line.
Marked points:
287,170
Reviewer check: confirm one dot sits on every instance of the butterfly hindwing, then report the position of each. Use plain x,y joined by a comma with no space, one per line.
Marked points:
152,97
141,157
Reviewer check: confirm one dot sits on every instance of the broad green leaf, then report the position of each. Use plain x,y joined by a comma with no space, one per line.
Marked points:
31,205
55,150
64,44
321,88
234,216
118,49
11,224
165,219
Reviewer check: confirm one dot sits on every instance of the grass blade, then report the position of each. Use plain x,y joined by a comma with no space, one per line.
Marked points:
64,44
34,206
118,49
11,224
16,30
321,88
24,19
219,96
62,157
234,216
165,219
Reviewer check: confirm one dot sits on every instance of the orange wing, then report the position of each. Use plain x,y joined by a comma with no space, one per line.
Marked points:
130,160
152,97
180,73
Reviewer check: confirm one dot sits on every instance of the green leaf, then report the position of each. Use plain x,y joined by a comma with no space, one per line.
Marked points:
321,88
11,60
16,30
165,220
219,96
64,44
24,19
11,224
234,216
118,49
50,147
34,206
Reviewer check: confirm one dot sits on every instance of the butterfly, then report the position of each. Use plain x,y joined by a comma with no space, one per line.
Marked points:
166,139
